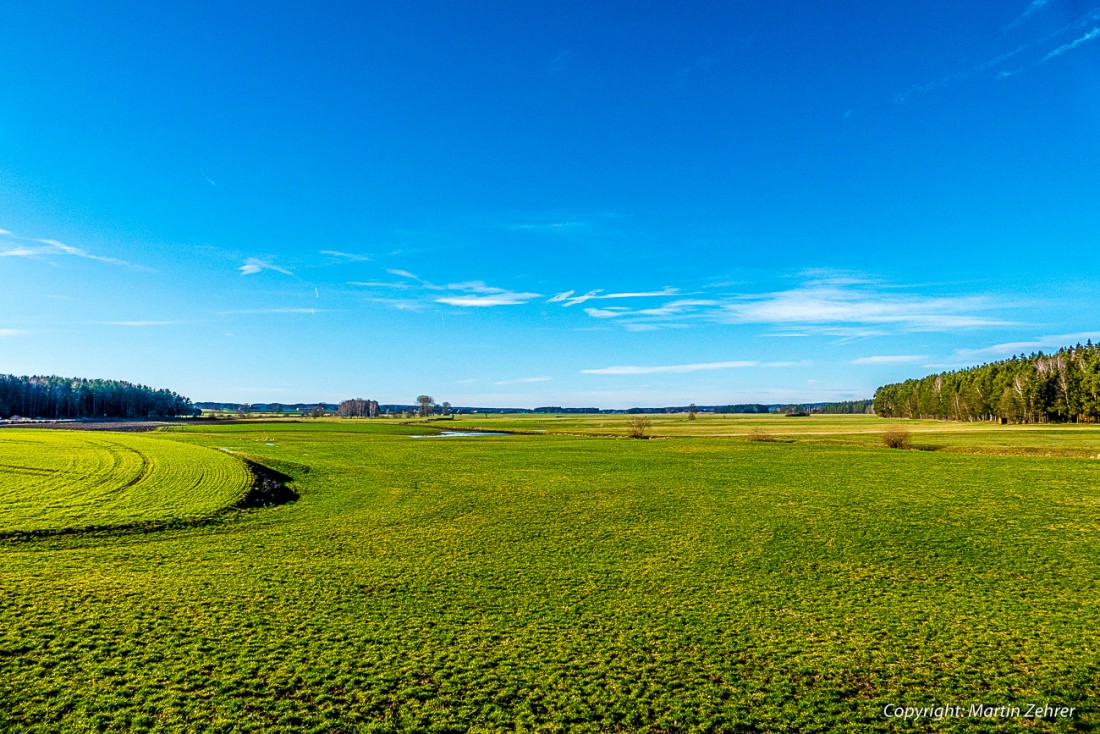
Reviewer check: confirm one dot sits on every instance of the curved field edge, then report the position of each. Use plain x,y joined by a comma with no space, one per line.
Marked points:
63,482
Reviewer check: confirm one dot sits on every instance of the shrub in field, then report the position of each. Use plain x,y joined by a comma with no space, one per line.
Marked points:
759,434
896,438
639,427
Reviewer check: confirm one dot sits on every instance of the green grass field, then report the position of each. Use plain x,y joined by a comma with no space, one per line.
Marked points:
70,480
568,581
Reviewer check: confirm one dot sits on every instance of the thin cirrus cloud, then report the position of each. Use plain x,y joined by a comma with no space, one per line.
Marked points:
505,298
465,294
567,298
349,256
1050,341
54,248
379,284
1091,17
311,311
1031,9
843,307
141,323
481,295
829,305
680,368
524,380
255,265
1072,44
891,359
10,332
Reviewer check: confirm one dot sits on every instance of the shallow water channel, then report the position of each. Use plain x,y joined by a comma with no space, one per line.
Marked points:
451,434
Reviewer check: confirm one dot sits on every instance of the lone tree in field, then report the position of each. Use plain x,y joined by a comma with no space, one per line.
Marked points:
426,405
446,408
692,412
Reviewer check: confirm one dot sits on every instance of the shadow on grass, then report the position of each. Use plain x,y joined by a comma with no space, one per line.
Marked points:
269,488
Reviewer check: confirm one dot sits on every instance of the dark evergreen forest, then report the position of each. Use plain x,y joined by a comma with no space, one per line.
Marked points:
1057,388
73,397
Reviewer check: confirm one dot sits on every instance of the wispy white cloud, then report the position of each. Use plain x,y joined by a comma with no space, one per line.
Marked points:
568,299
705,62
670,368
141,323
524,380
673,308
573,301
379,284
1006,349
22,252
401,304
1031,9
842,333
10,332
1084,21
475,286
558,64
77,252
209,180
891,359
401,273
863,306
313,311
606,313
254,265
351,256
547,226
837,304
54,248
504,298
1072,44
643,294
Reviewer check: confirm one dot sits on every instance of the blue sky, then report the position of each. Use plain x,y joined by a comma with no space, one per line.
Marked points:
523,204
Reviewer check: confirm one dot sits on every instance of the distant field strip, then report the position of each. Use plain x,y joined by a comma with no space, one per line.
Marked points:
67,480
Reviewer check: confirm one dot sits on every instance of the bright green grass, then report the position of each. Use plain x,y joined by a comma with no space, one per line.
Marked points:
565,583
66,480
851,430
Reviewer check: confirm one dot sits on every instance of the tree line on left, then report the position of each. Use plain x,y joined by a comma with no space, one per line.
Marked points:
53,397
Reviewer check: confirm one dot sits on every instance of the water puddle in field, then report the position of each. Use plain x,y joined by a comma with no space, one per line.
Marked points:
451,434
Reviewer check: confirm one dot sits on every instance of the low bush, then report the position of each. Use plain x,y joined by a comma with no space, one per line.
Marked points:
759,434
896,438
639,427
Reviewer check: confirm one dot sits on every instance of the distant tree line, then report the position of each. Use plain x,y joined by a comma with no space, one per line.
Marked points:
742,408
843,407
55,397
358,408
1056,388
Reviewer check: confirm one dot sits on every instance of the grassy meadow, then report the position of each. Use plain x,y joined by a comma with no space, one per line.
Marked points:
570,579
61,481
